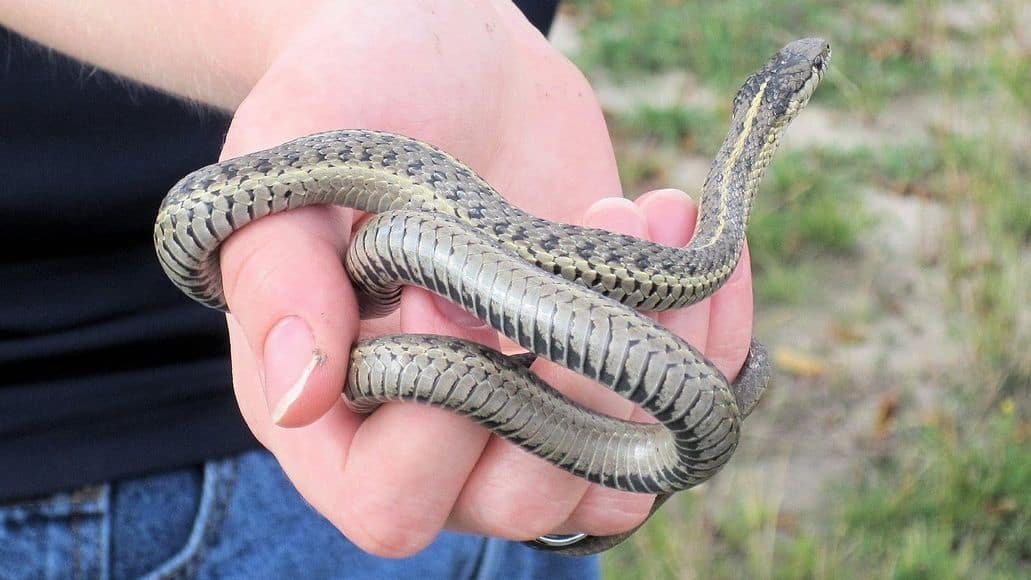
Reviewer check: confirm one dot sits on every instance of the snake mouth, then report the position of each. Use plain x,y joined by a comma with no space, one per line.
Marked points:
821,63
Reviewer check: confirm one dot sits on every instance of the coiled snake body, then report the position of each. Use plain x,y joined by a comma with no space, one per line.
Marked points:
563,292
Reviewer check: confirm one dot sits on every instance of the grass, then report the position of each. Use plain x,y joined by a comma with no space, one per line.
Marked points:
810,205
956,504
945,490
633,37
690,129
984,184
879,47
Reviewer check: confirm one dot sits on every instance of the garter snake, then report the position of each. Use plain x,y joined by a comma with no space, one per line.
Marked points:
565,293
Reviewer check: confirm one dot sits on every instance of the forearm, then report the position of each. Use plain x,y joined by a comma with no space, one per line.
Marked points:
212,51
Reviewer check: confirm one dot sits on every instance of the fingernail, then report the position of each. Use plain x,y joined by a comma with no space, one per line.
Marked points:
291,358
616,214
670,214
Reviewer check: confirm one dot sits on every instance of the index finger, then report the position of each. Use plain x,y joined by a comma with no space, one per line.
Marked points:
285,285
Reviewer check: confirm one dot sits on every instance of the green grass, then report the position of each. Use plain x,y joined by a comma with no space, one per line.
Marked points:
690,129
960,499
634,37
809,205
956,504
640,171
987,256
879,48
948,493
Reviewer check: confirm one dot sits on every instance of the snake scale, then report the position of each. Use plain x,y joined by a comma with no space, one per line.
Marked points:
565,293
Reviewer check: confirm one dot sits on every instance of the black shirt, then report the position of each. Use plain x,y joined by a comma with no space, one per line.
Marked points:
106,370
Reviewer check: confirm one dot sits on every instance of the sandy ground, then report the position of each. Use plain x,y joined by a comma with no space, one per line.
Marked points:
873,346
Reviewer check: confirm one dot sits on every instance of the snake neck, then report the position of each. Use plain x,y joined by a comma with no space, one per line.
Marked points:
733,181
764,106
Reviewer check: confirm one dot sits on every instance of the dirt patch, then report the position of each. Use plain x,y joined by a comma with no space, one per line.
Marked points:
873,334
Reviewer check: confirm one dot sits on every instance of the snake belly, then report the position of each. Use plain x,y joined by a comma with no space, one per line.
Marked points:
565,293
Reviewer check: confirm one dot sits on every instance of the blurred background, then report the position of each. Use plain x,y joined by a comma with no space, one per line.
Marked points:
891,245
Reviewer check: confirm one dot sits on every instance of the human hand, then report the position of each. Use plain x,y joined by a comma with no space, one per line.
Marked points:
482,84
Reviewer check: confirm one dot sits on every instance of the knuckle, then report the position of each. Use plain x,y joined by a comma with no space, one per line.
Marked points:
263,256
247,268
389,534
524,516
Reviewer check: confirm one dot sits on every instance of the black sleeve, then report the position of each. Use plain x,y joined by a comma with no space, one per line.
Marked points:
540,13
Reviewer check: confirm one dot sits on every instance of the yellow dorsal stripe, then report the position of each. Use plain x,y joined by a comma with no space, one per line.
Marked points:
735,154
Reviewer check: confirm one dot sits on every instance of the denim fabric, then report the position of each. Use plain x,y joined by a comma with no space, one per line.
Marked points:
236,518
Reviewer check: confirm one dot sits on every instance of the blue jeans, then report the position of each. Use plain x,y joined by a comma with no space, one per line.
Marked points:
234,518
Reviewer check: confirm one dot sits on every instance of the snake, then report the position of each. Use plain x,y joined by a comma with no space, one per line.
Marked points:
573,295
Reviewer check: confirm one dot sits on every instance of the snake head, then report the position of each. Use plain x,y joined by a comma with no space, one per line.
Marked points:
782,87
